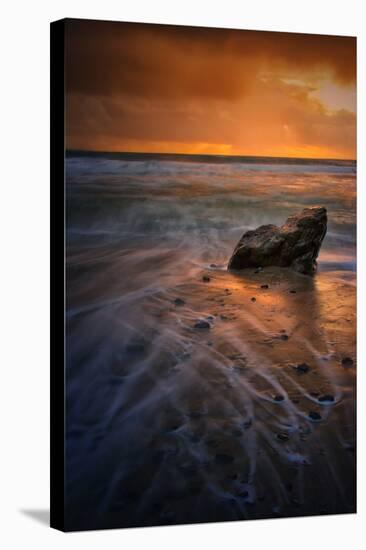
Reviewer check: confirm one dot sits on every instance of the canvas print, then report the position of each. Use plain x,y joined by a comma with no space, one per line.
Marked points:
210,260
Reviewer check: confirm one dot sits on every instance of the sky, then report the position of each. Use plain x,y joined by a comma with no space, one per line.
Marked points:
169,89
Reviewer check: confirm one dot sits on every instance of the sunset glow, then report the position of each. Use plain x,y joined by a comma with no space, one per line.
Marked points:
167,89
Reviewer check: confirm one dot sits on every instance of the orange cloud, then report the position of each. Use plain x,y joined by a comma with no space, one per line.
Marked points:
183,89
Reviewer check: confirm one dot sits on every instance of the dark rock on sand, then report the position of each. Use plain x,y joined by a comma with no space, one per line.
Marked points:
264,286
283,437
302,368
179,302
295,244
202,325
254,299
314,415
326,398
278,398
206,279
347,362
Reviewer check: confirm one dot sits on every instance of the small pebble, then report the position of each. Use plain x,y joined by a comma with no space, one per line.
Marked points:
278,398
347,362
173,427
283,437
264,286
179,302
202,325
302,368
284,337
213,265
314,415
253,299
293,291
327,398
206,279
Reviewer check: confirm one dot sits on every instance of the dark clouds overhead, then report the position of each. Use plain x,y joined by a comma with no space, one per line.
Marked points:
144,84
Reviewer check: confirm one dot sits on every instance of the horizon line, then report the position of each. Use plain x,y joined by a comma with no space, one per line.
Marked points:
104,152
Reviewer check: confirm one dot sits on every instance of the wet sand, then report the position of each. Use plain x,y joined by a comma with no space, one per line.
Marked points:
252,416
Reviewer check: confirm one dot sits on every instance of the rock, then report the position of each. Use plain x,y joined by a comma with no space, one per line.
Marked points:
283,437
295,244
284,337
202,325
213,265
264,286
293,291
254,299
314,415
302,368
258,270
179,302
326,398
278,398
347,362
247,424
206,279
